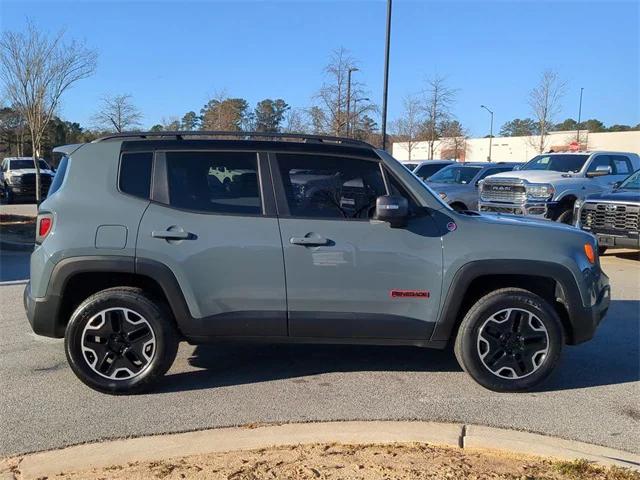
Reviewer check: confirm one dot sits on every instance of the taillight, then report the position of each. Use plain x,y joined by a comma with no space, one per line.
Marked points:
43,226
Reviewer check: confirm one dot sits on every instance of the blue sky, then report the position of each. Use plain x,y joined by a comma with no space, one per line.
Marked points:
172,56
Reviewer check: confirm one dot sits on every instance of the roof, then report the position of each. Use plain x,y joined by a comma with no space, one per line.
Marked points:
587,152
241,136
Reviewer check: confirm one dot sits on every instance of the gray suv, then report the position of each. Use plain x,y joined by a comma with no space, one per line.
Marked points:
141,244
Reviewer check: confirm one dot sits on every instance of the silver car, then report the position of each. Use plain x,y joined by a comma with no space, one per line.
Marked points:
457,184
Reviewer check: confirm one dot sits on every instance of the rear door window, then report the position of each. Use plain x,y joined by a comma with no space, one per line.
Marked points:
621,165
214,182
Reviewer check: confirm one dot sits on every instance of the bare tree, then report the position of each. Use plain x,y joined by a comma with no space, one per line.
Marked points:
295,121
544,101
411,126
439,98
117,113
333,95
36,70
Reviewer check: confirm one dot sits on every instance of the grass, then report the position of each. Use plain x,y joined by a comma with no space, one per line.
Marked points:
583,469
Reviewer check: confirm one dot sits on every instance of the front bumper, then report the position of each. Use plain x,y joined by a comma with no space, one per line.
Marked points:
42,313
585,320
531,209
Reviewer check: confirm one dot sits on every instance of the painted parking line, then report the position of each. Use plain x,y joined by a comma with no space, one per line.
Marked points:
14,282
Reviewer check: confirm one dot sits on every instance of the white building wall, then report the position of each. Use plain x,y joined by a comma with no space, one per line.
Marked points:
522,149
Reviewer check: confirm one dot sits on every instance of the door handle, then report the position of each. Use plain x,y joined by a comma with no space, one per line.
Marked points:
309,241
172,235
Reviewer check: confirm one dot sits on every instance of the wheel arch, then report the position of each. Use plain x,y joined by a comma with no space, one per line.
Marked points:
552,282
74,279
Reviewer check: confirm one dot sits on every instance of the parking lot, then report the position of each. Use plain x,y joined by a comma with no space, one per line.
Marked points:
592,396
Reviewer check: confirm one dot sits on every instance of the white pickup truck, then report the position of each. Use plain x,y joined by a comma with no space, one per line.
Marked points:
549,184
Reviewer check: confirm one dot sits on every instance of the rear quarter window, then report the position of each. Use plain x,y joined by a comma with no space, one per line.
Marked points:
61,173
135,174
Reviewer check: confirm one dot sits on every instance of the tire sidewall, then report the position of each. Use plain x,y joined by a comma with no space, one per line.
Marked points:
564,215
166,344
475,319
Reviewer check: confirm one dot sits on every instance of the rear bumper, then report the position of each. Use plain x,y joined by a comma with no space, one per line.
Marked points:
42,313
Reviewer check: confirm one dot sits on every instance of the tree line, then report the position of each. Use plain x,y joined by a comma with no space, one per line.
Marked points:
520,127
37,69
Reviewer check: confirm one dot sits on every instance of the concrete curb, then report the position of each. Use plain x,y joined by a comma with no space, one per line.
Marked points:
103,454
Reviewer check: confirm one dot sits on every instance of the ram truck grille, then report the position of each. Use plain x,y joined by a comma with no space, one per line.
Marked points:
610,217
503,191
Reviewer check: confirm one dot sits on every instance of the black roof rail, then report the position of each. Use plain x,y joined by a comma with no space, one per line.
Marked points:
180,135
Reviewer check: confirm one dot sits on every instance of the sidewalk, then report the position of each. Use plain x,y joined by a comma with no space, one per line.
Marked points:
163,447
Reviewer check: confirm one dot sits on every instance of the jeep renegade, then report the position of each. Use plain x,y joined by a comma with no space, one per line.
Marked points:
140,245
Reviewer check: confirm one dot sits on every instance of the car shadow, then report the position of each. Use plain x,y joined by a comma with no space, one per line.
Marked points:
226,364
612,357
624,254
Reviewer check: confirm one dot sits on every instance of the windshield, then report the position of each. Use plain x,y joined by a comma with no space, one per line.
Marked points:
26,163
557,163
632,182
455,174
425,171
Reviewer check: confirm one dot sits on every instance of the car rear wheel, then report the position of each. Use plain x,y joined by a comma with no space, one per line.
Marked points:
510,340
119,341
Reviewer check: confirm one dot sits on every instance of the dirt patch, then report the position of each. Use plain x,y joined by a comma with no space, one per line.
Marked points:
363,462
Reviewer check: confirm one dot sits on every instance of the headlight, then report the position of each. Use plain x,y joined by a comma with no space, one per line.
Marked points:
10,178
541,191
442,195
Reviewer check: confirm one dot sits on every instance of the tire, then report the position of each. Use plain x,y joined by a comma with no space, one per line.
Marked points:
529,354
602,250
119,341
9,197
566,216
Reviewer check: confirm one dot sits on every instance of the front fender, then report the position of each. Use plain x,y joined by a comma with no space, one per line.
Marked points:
581,317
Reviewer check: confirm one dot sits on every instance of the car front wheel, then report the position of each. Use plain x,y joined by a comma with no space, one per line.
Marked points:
119,341
510,340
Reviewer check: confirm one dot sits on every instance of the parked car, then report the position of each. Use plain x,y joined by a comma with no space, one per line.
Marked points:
549,185
155,252
18,178
425,169
457,184
410,165
614,217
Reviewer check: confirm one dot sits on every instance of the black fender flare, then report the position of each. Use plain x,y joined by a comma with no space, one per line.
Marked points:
567,291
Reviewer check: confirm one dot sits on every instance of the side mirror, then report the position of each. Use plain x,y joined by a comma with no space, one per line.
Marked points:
393,210
600,171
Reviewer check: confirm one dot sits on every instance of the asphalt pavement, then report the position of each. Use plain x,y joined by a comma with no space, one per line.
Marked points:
592,397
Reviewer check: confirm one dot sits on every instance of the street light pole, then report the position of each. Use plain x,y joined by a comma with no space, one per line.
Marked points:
385,88
490,130
351,70
579,117
355,110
